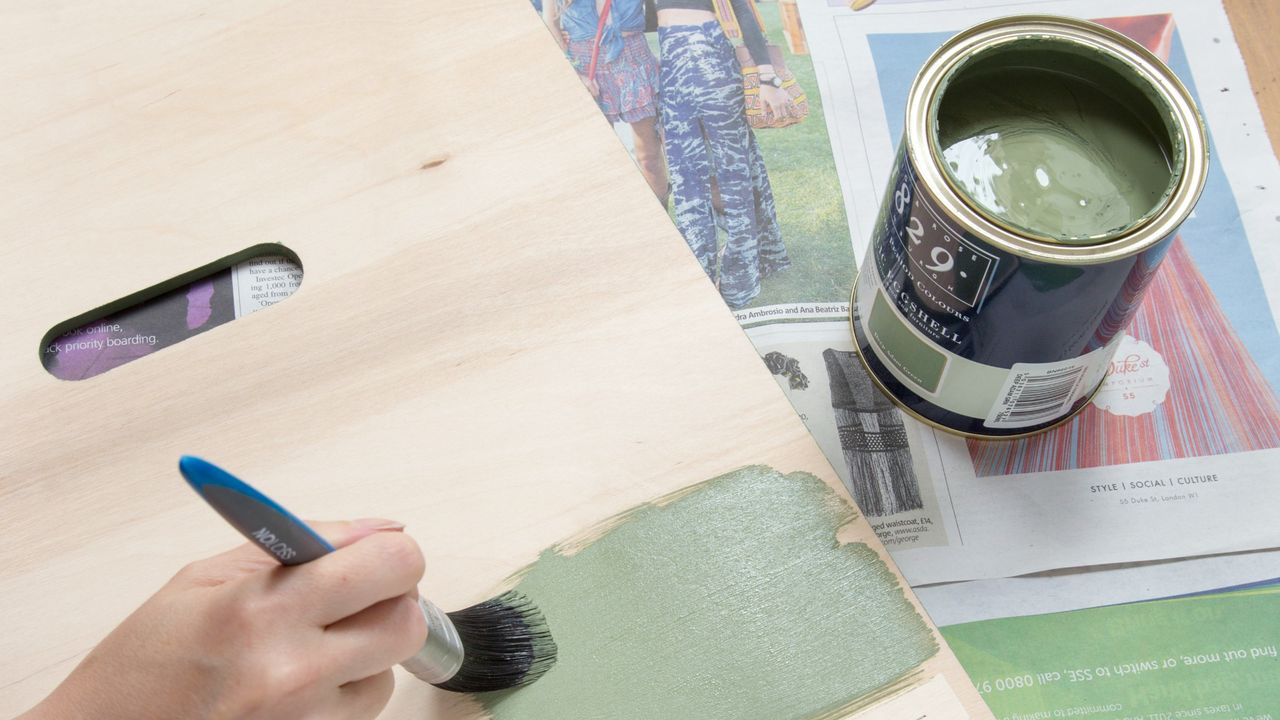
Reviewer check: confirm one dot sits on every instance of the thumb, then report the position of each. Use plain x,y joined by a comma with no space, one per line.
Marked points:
345,532
249,558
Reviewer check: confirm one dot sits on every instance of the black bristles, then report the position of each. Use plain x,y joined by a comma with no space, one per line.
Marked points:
507,644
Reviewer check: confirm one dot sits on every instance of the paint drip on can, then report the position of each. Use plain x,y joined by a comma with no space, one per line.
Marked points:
1045,167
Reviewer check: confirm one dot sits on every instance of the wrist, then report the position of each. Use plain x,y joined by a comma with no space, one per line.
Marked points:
76,698
46,711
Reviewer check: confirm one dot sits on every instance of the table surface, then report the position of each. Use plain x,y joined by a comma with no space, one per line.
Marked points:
1257,25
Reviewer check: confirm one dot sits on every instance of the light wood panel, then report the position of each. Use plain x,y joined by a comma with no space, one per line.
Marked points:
500,339
1256,24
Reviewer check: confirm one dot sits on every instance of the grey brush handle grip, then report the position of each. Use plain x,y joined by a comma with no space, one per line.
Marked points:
441,656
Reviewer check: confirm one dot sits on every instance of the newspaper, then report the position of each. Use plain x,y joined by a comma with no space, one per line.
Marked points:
1181,483
1063,590
1171,459
106,342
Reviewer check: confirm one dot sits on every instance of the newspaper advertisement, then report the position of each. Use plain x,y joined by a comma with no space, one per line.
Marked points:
1170,460
1194,657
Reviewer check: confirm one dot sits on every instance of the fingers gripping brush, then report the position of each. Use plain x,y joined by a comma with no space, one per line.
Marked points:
498,644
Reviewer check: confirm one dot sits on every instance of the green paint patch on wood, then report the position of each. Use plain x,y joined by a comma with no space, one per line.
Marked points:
730,599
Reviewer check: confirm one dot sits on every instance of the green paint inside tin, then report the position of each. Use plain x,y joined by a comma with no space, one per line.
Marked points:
729,600
1057,140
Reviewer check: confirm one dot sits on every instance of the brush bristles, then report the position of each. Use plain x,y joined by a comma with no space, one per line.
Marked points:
506,644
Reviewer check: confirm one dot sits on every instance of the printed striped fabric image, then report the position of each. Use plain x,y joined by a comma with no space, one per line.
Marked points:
1218,401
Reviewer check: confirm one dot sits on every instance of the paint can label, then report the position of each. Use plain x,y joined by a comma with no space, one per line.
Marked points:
949,274
1034,393
999,398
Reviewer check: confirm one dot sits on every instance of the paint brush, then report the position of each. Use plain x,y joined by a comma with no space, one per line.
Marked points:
498,644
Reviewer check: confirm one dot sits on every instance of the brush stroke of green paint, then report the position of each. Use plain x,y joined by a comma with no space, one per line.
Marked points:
726,601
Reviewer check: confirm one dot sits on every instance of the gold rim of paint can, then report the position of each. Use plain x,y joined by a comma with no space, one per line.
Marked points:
1191,164
1117,263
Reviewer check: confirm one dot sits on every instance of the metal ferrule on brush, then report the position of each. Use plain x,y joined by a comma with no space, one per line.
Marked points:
441,656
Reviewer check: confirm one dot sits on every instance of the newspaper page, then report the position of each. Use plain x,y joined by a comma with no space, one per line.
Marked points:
108,341
1181,435
1171,458
1063,590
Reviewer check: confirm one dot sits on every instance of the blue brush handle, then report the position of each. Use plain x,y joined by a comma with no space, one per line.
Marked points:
256,516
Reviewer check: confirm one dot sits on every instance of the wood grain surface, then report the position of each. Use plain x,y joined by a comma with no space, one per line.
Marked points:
500,339
1256,24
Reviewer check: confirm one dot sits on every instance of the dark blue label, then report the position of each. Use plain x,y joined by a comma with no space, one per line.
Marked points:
937,277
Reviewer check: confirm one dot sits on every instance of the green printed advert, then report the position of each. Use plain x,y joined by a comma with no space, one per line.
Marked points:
1202,657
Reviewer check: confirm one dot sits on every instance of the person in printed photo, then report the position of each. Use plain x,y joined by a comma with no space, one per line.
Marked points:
625,84
706,135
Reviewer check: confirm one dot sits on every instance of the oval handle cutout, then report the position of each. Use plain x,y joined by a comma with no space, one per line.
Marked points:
169,312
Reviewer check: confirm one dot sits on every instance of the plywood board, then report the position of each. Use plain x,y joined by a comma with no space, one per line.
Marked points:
500,339
1255,24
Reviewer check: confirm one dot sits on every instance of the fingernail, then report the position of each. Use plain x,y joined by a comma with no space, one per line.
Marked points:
376,524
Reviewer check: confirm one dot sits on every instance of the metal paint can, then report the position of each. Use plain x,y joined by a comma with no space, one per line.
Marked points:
987,310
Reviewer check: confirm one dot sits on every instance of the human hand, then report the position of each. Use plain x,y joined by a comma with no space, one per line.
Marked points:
592,86
237,636
777,103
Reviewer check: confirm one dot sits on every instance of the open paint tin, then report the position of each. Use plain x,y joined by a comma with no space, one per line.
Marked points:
1045,166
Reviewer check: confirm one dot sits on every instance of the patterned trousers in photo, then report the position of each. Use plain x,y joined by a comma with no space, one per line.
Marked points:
705,131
